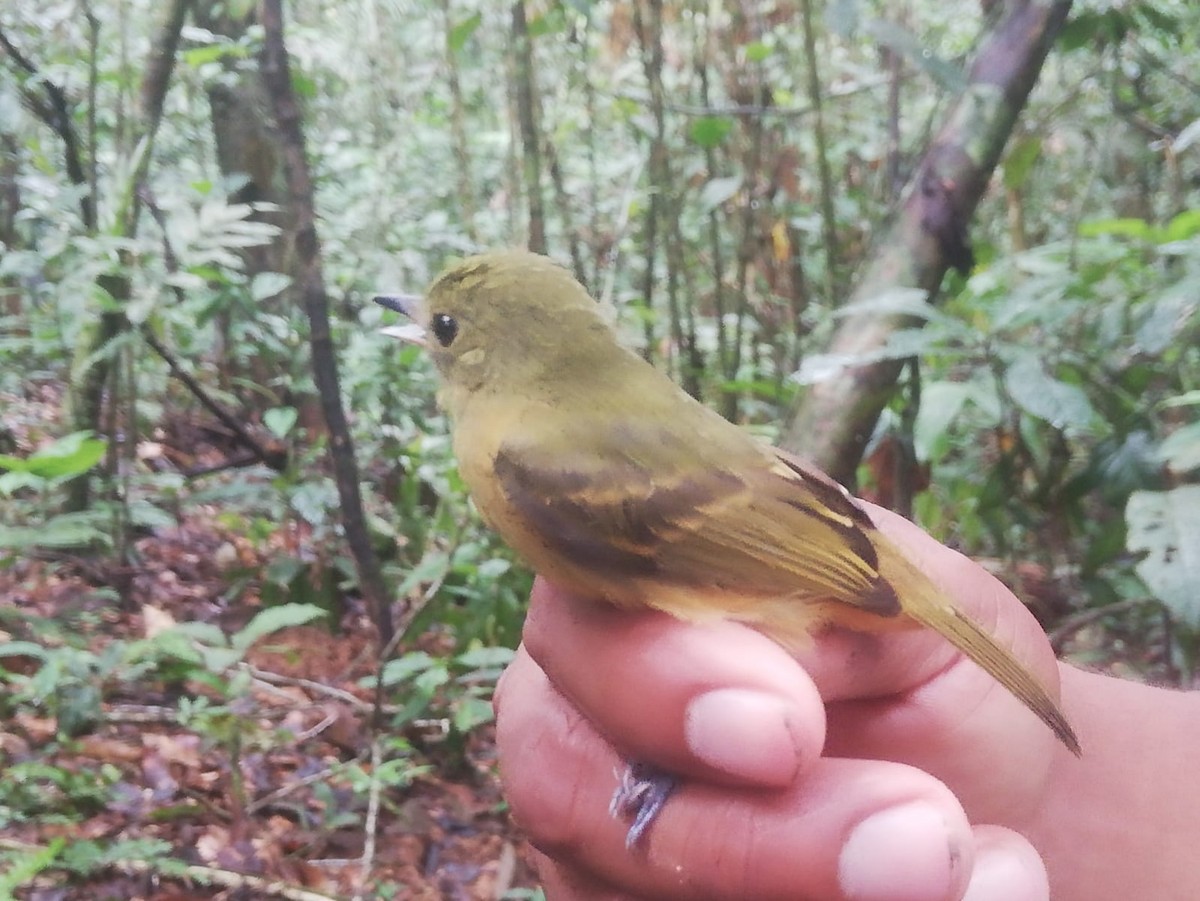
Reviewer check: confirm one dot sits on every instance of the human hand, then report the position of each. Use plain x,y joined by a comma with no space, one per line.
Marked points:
917,744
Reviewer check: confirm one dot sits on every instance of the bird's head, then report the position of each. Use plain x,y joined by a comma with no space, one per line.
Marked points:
502,321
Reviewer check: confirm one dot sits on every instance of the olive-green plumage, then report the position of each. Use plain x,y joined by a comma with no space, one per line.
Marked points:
610,480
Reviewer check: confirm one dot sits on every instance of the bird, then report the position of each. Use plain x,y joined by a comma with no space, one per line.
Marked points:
610,480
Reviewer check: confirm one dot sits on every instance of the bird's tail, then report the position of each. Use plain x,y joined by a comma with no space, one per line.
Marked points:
925,604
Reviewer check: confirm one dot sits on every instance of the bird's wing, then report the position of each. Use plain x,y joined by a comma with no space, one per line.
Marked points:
646,503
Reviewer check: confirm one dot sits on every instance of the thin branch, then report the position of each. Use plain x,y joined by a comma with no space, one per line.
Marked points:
752,109
292,787
1076,621
274,459
55,112
260,886
320,688
371,826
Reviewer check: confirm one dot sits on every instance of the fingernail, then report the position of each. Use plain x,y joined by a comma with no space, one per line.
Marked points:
899,854
744,733
1002,875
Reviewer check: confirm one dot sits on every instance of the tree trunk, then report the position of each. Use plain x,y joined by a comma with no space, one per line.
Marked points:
927,234
311,287
94,363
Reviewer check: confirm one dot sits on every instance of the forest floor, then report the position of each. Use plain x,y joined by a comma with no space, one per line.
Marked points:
259,794
132,772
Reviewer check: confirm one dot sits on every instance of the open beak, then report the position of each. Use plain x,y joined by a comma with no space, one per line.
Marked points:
407,305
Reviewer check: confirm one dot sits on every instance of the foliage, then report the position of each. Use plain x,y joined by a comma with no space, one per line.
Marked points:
1052,390
472,674
37,476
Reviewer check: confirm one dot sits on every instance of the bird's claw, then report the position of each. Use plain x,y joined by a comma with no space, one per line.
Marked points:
641,793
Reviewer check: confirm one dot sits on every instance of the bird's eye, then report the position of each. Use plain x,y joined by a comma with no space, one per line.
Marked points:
445,328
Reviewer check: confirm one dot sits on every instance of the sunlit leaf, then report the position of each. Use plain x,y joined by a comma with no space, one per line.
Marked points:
485,657
268,284
1020,160
1187,137
1181,449
710,131
470,712
280,420
273,619
1125,227
68,456
757,51
841,17
1038,393
1164,526
717,190
461,32
941,402
900,40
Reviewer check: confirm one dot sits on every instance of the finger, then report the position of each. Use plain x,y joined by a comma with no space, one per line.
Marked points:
946,715
1007,868
562,882
855,665
716,701
849,829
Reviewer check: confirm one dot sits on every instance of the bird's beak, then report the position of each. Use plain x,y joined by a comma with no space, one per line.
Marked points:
407,305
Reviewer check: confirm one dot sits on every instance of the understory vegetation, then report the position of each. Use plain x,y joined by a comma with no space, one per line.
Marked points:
250,622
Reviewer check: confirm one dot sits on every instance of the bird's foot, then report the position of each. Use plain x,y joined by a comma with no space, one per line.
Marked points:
640,796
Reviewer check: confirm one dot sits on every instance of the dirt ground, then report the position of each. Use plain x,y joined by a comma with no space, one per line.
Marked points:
260,798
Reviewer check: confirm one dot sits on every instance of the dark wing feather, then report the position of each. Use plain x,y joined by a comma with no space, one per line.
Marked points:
752,523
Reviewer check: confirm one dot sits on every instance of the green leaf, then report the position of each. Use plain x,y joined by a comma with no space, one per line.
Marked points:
1181,227
1090,27
899,39
22,649
485,658
430,680
272,620
1186,138
404,668
305,87
841,17
717,190
1164,526
268,284
1187,399
1019,162
470,712
1041,395
941,402
1181,449
757,51
280,420
146,515
67,530
13,464
23,865
12,482
68,456
1125,228
283,569
551,21
198,56
710,131
462,31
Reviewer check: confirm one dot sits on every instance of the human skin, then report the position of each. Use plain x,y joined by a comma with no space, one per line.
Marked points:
870,767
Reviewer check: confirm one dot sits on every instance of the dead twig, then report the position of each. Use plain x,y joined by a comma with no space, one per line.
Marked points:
258,885
1076,621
